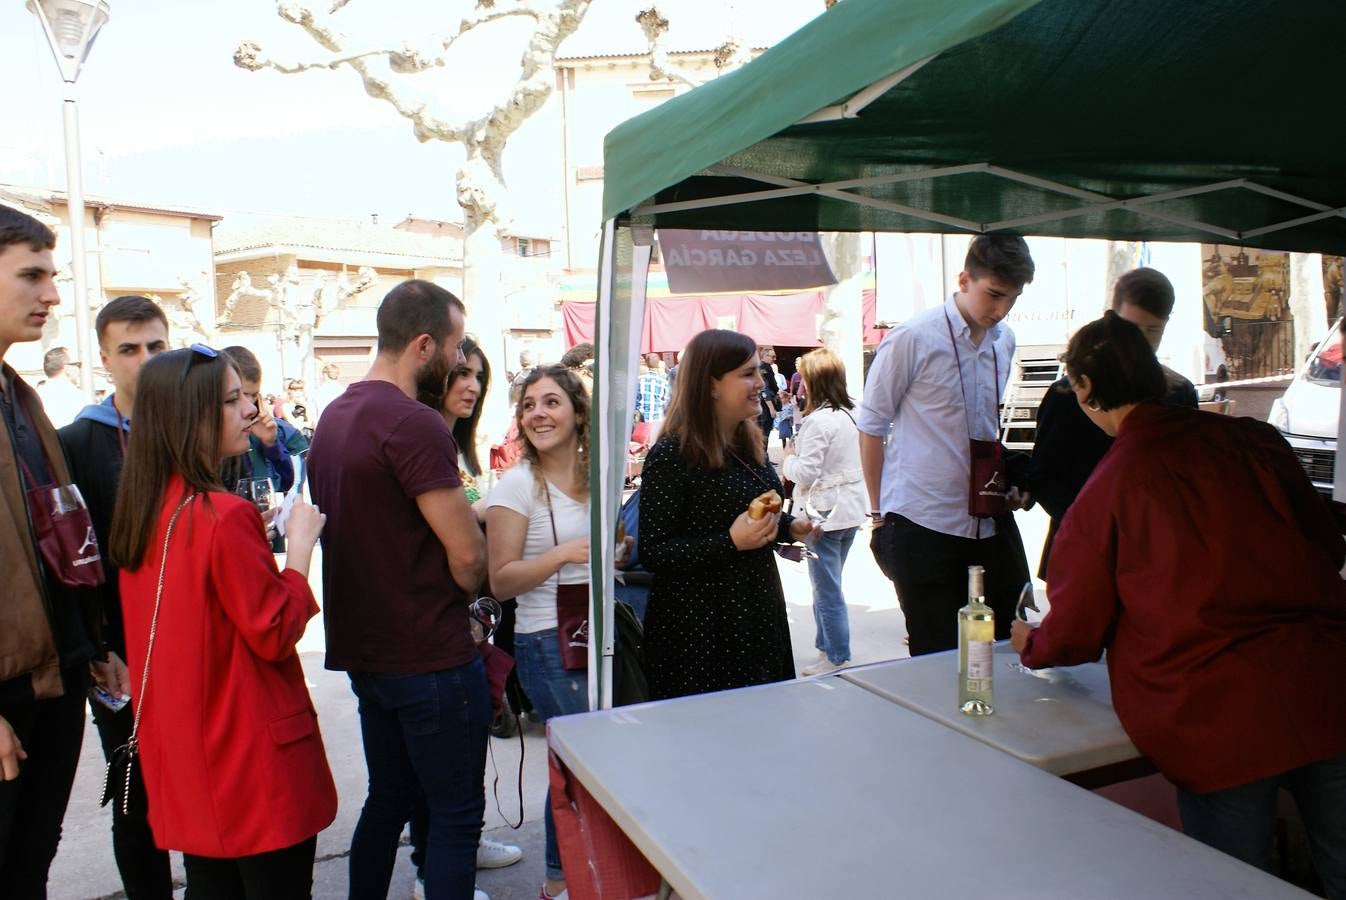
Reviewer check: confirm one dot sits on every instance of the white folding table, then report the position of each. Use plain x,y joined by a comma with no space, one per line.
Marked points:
821,788
1060,720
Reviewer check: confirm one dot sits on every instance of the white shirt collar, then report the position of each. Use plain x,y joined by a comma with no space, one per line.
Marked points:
960,325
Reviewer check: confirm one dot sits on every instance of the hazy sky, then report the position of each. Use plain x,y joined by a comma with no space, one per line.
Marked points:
167,118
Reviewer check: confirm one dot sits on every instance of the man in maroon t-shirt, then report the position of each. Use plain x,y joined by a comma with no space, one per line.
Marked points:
402,555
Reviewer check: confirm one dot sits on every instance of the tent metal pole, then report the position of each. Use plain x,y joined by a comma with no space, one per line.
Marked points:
848,183
1094,202
600,662
859,200
1282,195
851,108
792,188
1046,184
1291,223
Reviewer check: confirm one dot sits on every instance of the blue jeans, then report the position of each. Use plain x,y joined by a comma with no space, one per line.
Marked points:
422,734
1240,820
555,692
829,605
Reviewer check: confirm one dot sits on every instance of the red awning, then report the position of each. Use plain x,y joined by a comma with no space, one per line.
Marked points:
790,320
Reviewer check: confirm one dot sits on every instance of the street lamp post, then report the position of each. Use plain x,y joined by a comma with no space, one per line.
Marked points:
71,26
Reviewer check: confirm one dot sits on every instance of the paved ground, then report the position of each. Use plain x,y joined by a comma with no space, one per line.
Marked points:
84,868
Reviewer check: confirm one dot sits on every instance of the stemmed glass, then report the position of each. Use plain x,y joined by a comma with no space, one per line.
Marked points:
819,501
257,491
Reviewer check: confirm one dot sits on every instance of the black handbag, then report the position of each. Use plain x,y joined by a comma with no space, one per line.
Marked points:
117,776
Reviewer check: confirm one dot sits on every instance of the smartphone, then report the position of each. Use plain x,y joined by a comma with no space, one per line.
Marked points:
111,701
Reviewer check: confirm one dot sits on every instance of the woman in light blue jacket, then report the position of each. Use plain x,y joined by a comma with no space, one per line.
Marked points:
829,484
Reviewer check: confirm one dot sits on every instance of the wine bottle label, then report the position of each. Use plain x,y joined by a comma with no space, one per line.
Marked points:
980,659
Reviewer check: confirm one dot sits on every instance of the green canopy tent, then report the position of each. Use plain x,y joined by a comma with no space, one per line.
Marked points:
1205,120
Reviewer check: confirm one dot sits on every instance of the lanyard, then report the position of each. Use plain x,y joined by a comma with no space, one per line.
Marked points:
995,359
121,435
751,471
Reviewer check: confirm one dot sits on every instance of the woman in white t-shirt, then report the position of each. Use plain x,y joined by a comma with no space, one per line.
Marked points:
537,532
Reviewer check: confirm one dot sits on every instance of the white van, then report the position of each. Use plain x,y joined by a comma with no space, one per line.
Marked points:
1307,413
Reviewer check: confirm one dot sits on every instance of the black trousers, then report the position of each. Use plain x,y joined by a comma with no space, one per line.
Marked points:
278,875
929,571
144,867
33,805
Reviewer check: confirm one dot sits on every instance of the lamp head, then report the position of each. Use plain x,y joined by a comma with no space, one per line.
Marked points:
71,27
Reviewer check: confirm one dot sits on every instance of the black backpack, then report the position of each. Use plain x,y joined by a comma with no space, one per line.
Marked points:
628,664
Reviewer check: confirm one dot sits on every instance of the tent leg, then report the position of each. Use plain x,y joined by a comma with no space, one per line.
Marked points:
618,326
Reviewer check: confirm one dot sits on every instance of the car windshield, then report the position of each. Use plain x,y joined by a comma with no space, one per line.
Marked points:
1325,366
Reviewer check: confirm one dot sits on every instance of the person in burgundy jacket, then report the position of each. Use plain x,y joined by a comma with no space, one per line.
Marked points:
1201,558
234,766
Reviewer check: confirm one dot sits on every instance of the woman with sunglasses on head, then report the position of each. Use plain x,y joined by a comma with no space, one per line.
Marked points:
1201,559
537,544
227,736
716,616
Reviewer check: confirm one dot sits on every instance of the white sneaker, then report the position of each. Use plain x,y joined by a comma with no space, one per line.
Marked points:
824,666
418,892
495,855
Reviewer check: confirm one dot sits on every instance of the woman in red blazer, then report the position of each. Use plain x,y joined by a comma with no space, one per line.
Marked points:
228,738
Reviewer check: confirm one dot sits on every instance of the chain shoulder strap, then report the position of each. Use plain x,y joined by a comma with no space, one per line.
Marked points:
154,619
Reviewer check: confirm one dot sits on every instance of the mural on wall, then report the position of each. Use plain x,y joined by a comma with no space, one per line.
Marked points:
1250,330
1332,287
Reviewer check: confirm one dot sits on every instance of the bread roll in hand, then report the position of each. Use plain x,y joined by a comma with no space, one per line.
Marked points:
767,503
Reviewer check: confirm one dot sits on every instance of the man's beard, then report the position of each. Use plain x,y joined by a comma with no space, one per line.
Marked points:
433,377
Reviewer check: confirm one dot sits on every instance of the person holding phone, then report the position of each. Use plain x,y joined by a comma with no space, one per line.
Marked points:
233,762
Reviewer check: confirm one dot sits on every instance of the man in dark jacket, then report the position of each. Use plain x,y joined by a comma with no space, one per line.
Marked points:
770,393
130,330
48,633
1067,446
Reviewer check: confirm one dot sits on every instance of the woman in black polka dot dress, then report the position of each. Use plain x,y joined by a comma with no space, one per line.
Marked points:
716,617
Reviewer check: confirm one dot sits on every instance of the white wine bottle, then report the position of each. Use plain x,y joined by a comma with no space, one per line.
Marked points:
976,648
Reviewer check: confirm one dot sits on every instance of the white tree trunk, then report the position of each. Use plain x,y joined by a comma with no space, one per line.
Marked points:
483,262
1306,301
842,327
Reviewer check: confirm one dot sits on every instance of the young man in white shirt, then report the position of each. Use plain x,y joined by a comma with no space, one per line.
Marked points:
936,382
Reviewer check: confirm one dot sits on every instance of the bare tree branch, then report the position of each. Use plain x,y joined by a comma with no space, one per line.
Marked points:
654,26
252,57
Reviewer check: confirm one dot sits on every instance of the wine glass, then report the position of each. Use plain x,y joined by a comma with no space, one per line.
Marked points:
257,491
819,500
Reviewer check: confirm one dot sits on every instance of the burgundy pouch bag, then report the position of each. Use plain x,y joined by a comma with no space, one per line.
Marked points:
987,484
65,535
572,625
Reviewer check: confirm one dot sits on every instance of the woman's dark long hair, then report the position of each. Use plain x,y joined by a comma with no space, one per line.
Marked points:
464,430
691,413
179,403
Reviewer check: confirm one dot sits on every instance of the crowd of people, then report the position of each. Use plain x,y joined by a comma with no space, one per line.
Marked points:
186,651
